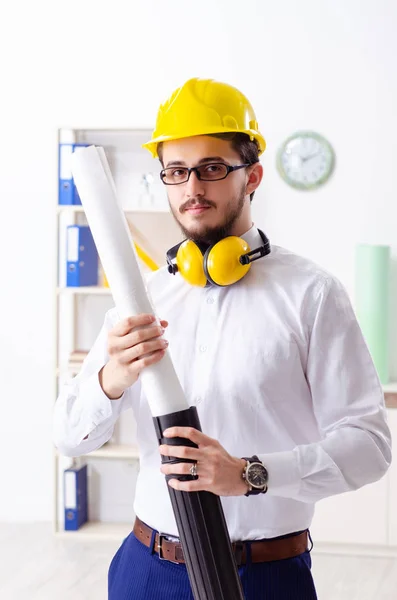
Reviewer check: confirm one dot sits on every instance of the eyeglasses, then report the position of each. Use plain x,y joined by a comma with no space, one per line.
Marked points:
208,172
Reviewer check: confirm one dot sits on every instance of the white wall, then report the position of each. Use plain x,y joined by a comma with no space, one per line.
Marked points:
319,65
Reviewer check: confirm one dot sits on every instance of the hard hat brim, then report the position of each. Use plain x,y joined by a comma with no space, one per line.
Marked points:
252,133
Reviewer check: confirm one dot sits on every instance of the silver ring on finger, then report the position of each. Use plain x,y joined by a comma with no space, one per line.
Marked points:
193,470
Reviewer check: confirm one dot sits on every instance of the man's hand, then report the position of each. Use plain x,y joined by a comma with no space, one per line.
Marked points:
218,472
133,344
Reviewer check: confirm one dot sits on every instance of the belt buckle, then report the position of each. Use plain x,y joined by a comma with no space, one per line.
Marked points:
160,548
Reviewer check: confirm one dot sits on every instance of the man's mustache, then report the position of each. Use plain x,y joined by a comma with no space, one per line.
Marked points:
197,204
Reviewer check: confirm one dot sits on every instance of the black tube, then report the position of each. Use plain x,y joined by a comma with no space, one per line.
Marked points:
202,528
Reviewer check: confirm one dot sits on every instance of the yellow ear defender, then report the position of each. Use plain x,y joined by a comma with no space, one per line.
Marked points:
220,264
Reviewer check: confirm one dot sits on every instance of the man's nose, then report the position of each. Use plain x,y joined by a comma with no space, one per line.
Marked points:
194,187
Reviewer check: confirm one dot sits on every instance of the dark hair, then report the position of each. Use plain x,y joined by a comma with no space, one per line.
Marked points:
247,149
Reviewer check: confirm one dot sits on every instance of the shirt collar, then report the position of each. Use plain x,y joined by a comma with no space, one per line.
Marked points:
252,237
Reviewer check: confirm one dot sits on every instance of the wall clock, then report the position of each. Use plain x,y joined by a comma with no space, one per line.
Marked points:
305,160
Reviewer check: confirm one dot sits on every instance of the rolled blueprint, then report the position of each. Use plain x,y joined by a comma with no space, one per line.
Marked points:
109,227
372,302
199,516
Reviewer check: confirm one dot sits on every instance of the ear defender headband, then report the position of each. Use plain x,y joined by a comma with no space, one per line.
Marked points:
220,264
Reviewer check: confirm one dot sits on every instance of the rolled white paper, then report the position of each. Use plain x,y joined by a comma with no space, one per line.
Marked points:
109,227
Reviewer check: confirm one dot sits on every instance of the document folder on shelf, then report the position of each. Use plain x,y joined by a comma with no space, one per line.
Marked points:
82,257
67,191
75,497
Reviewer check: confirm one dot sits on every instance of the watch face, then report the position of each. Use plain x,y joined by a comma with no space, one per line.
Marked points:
257,475
305,160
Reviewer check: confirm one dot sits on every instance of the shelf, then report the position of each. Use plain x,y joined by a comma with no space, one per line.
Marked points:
114,451
93,289
99,530
154,230
78,208
390,387
390,391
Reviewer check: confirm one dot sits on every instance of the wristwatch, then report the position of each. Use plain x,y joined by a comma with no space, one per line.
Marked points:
255,476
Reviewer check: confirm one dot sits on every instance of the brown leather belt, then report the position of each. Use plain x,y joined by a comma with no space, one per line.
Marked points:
261,551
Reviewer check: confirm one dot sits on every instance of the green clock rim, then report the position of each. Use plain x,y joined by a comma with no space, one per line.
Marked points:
306,134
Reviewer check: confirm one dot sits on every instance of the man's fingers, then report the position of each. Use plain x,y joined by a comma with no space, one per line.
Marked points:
138,337
180,452
181,468
148,360
125,326
189,433
187,486
140,350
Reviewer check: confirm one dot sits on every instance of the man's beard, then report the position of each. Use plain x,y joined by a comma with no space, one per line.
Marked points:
211,235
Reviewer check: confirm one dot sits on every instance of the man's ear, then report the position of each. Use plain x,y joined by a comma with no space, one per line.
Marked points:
255,174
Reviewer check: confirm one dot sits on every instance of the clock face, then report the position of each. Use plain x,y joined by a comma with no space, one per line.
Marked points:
305,160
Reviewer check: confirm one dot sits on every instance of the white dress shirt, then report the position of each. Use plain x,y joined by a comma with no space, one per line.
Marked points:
277,366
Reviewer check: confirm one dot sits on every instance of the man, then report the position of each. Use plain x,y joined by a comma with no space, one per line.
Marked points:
272,357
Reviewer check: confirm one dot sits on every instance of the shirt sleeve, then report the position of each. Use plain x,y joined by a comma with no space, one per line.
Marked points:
82,408
348,402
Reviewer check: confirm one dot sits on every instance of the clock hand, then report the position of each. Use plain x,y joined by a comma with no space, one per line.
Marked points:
310,156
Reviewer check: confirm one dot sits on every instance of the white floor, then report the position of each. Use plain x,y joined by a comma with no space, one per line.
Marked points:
34,565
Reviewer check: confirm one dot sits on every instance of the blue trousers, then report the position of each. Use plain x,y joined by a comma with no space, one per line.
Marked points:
136,573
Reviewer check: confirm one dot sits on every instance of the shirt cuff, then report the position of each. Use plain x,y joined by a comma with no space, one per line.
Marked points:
98,406
284,478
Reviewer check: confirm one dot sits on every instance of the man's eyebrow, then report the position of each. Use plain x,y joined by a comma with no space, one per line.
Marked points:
211,159
180,163
175,163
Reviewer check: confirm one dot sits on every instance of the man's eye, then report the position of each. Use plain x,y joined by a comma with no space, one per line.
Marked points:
178,172
212,168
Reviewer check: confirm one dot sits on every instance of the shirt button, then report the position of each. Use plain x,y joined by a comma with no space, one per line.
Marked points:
203,348
210,301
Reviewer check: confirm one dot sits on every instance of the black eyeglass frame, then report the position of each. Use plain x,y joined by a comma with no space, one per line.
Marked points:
229,169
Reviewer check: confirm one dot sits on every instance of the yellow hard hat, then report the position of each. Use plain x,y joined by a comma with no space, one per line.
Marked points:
203,107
